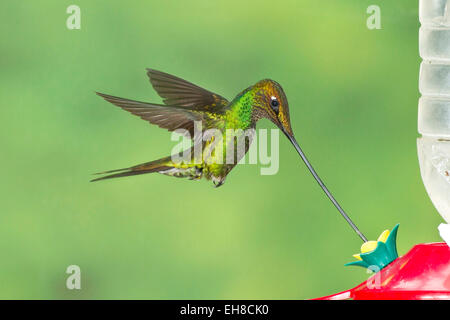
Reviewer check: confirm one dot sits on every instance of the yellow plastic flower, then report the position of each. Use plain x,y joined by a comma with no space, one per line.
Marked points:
371,245
378,253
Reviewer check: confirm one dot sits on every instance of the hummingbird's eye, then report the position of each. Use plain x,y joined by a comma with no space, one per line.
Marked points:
274,104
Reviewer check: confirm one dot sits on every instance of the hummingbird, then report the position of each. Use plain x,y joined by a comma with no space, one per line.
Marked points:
186,104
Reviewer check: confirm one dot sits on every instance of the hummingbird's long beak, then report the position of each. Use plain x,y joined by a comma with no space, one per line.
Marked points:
322,185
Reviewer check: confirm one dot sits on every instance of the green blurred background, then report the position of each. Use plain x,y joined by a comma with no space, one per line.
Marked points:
353,96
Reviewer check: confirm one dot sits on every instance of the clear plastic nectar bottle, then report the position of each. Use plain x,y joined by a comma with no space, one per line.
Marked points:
434,104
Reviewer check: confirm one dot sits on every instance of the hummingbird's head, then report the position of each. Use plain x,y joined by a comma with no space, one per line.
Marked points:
271,103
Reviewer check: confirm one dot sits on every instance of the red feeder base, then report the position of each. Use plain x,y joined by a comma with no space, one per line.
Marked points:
421,274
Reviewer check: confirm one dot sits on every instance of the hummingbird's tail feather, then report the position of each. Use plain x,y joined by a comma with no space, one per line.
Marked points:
111,171
159,165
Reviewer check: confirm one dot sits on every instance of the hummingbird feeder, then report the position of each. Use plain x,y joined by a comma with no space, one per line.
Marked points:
423,272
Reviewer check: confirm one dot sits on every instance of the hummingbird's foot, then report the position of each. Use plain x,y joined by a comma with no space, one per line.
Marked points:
218,181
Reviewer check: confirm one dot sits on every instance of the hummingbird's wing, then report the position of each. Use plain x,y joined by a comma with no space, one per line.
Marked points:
167,117
178,92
